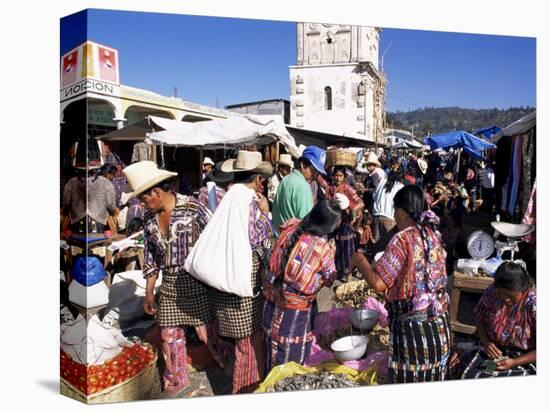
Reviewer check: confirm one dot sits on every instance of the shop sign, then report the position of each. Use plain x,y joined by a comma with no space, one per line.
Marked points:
89,85
101,115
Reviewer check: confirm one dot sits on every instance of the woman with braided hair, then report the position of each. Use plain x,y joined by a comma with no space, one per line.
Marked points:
412,272
301,263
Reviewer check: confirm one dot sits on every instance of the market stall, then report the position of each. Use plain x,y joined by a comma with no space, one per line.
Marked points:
515,166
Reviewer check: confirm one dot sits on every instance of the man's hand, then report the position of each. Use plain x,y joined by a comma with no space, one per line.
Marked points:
149,306
506,364
263,205
492,350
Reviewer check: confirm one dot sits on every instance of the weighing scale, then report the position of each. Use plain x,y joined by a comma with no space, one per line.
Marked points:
481,246
513,233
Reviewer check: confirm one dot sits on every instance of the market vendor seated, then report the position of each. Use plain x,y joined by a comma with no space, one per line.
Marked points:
506,325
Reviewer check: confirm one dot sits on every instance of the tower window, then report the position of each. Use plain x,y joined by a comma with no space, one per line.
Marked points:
328,98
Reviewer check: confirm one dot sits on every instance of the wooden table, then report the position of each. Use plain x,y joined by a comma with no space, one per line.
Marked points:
468,283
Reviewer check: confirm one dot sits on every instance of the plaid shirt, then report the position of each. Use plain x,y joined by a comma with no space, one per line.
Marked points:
189,218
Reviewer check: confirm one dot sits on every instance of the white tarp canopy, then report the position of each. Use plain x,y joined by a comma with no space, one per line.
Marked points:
518,127
221,133
405,144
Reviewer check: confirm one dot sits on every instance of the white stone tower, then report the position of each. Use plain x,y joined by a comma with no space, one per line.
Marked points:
336,85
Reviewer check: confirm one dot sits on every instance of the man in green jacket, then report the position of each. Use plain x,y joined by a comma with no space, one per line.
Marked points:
294,198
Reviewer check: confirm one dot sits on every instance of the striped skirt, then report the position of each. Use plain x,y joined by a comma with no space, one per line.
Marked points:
419,349
346,245
288,334
474,366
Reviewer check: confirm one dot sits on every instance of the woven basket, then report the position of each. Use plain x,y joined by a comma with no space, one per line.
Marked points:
139,387
340,157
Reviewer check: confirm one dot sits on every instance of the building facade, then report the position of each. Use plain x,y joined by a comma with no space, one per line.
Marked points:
336,85
91,72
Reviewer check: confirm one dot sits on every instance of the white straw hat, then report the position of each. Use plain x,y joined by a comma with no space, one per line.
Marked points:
208,161
343,201
372,159
285,159
422,165
142,176
248,162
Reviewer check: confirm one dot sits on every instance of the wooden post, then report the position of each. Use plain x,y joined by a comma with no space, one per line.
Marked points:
277,152
201,158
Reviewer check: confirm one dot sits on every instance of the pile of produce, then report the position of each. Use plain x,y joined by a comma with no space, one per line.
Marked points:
92,379
379,340
314,381
355,294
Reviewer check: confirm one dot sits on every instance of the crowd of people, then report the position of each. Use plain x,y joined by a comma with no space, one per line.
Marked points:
290,231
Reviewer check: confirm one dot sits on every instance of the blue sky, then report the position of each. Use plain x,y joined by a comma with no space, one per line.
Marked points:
226,61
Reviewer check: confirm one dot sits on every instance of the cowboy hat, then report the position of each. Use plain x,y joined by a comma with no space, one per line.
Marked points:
218,176
285,159
142,176
208,161
247,162
422,165
373,159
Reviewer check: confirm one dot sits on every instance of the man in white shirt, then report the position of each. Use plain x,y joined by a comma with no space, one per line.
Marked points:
375,174
284,167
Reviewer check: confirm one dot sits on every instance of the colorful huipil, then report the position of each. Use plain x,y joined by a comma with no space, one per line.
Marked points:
346,242
240,318
413,269
183,300
290,306
512,329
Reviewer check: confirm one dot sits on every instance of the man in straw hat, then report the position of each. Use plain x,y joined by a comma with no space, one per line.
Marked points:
294,198
284,168
172,225
222,182
207,167
240,236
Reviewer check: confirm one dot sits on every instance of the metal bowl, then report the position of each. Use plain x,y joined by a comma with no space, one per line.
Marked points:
363,319
349,348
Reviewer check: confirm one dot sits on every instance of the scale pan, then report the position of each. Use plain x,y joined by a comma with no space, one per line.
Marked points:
512,230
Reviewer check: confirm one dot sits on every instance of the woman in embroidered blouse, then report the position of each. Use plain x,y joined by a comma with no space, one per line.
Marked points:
506,325
346,243
302,263
412,272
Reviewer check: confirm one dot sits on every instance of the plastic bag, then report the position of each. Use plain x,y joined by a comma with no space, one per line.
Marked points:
290,369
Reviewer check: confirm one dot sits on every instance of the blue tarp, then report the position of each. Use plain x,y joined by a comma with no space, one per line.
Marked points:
459,139
487,132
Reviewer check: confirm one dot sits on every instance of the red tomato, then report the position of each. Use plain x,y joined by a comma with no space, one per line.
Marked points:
132,371
92,389
120,380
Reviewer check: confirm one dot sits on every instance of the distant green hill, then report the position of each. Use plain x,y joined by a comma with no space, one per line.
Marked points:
436,120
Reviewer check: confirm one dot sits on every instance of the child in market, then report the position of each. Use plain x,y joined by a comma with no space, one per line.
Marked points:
366,240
